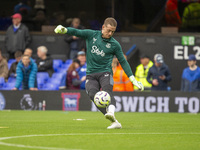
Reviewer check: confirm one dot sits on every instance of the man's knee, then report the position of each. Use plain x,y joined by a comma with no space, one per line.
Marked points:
91,94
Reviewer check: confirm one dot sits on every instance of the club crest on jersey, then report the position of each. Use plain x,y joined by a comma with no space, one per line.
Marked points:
96,50
108,45
94,40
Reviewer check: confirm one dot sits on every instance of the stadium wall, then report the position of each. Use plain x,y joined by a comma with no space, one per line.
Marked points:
162,102
175,49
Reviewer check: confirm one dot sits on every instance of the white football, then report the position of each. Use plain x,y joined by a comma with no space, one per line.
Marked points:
102,99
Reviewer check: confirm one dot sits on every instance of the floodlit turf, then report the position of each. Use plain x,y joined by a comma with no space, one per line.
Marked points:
58,130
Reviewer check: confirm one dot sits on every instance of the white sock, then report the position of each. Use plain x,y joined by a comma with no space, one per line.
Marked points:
111,108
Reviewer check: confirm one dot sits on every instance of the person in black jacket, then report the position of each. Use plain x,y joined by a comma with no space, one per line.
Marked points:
12,70
44,62
17,36
76,44
159,74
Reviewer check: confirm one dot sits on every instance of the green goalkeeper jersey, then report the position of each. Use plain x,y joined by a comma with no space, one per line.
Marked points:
100,51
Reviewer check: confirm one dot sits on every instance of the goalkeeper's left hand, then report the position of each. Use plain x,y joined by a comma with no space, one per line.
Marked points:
136,83
60,29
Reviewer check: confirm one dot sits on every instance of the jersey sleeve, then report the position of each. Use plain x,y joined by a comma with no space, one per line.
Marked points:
85,34
120,56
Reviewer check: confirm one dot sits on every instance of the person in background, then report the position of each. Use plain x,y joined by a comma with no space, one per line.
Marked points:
29,52
172,16
159,74
190,81
76,44
3,67
26,74
72,80
83,67
142,71
17,36
121,80
12,70
191,17
44,62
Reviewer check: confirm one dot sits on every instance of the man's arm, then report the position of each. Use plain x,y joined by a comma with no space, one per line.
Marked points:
149,79
72,31
168,75
125,65
19,76
32,76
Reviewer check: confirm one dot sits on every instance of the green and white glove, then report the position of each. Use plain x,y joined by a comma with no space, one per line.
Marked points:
136,83
60,29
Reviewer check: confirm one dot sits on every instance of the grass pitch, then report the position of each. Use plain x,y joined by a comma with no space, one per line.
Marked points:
58,130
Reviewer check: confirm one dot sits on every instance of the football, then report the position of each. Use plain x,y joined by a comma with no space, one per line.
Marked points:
102,99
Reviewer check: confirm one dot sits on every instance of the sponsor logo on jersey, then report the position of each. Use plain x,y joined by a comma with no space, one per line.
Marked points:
96,50
108,45
94,40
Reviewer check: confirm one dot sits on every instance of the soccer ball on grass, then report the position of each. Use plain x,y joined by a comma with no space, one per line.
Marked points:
102,99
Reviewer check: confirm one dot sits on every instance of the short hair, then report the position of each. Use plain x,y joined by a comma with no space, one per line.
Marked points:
43,49
18,54
111,21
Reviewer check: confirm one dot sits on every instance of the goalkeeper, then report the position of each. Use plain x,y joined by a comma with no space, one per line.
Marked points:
101,48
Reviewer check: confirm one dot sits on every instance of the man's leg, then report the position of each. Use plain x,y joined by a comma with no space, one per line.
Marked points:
92,87
106,82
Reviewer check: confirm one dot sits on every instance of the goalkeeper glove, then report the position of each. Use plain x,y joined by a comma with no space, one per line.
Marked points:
136,83
60,29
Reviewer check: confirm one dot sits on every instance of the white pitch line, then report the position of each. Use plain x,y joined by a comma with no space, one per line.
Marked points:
74,134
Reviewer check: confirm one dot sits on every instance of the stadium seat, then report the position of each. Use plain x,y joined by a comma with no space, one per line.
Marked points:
9,65
11,61
40,83
50,86
65,66
11,79
57,75
43,76
8,86
55,81
62,70
68,61
57,63
2,82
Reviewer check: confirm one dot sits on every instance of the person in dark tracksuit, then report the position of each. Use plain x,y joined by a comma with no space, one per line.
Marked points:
159,74
101,48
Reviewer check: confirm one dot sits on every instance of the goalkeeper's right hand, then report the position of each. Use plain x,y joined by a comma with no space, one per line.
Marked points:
60,29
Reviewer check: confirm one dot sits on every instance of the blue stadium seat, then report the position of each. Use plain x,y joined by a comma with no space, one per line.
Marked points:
11,79
57,75
50,86
43,76
9,65
68,61
65,65
62,70
40,83
11,61
8,86
57,63
2,82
